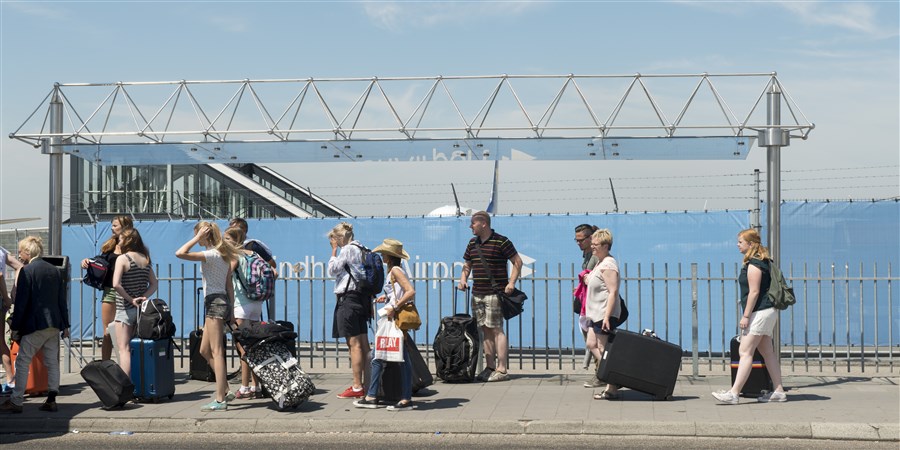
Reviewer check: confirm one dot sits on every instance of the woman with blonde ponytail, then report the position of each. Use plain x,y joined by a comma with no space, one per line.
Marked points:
758,320
217,263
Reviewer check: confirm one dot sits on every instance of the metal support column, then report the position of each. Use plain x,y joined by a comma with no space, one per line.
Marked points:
773,138
56,174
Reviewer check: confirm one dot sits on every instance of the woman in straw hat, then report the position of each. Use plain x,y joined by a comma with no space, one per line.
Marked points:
399,292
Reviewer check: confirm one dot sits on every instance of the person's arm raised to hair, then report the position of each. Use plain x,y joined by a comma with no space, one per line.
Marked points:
185,251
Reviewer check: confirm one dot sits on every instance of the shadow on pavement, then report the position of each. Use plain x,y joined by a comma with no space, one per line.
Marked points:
444,403
833,382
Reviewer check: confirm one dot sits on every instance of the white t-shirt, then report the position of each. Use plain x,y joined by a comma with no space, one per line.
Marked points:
215,271
598,292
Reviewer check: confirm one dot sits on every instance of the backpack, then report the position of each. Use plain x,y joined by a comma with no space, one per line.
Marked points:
780,293
373,267
96,271
456,349
256,276
155,320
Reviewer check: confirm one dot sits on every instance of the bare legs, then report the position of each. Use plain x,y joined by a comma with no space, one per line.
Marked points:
107,314
596,343
496,348
211,348
359,354
123,340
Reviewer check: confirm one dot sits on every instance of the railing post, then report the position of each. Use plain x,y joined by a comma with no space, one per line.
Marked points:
695,332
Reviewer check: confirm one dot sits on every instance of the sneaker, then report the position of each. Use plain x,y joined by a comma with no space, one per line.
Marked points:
350,393
484,375
726,397
776,396
49,406
229,396
244,395
367,404
214,406
402,406
594,382
10,407
5,390
498,376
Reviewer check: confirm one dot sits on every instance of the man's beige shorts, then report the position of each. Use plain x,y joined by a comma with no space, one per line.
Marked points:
487,311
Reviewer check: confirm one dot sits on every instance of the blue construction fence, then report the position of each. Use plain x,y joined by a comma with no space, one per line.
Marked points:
655,251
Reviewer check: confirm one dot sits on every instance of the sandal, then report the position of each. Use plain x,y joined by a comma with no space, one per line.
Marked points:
606,395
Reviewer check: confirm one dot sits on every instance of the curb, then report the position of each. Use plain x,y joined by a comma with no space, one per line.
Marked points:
824,431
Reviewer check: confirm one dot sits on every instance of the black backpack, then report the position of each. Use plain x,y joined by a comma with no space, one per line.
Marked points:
456,349
155,320
96,271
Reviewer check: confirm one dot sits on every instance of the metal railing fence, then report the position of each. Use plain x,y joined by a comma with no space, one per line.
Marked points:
845,319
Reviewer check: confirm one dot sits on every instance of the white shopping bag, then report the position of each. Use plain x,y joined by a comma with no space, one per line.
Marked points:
388,341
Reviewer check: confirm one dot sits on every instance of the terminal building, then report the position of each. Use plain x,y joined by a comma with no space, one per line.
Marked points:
186,192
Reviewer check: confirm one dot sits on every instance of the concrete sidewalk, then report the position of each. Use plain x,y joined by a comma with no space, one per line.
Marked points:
819,407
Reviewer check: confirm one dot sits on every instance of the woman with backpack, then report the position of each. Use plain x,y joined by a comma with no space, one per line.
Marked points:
352,309
398,293
758,320
246,311
109,252
134,281
217,263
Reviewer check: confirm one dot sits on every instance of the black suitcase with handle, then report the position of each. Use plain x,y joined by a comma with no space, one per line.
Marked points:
391,387
642,363
456,346
758,382
111,384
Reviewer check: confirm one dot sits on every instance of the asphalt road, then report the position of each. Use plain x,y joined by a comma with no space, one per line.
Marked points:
342,441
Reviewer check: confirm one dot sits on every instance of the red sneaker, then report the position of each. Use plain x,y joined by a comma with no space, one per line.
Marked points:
350,393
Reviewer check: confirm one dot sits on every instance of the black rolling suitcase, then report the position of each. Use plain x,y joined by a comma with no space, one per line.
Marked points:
111,384
642,363
759,380
456,348
391,388
198,368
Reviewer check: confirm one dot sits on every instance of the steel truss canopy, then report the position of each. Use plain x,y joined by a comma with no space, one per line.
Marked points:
518,117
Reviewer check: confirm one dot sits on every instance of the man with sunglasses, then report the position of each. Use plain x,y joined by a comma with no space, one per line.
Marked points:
583,234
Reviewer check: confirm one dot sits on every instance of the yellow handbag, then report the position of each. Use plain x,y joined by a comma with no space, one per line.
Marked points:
407,317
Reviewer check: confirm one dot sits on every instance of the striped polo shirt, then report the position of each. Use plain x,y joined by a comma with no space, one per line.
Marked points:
497,251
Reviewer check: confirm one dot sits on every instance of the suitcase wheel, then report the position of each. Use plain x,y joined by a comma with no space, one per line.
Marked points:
171,396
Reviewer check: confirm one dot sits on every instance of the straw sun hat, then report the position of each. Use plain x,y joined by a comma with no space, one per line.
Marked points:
392,247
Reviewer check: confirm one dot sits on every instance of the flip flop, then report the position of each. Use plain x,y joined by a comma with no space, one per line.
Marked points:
606,396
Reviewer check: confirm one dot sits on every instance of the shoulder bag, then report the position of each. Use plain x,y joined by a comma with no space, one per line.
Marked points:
511,304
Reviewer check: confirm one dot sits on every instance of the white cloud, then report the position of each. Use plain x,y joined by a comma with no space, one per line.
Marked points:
859,17
396,16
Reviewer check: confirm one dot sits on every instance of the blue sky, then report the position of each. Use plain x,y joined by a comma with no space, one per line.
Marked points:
839,60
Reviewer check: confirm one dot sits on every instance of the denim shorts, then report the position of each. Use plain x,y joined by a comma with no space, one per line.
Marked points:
127,316
217,306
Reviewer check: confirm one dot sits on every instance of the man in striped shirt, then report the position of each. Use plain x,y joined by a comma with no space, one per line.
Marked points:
495,251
